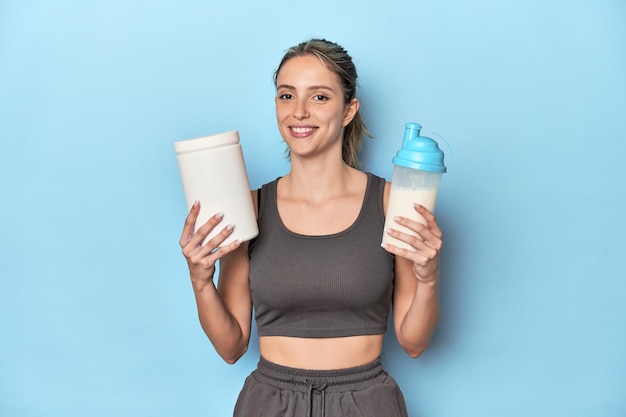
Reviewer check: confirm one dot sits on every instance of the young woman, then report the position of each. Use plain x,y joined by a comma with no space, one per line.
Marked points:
317,276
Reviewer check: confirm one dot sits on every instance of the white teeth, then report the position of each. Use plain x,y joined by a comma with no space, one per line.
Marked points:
302,129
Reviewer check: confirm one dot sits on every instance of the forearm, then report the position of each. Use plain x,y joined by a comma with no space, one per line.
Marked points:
420,320
222,329
225,313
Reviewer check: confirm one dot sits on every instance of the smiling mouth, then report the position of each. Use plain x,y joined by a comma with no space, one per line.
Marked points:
302,129
301,132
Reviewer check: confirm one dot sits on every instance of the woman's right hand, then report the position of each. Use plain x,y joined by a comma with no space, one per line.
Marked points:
201,258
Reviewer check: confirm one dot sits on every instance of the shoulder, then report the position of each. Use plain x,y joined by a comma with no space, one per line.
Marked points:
386,188
263,190
377,179
255,201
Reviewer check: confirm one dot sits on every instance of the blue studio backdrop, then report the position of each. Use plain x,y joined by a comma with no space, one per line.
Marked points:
97,315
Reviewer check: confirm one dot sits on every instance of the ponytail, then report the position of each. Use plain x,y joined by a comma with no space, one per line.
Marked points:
352,140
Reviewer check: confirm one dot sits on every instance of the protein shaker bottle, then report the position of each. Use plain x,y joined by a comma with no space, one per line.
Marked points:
213,172
418,168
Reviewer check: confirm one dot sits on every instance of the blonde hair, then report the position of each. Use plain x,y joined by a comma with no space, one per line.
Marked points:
338,61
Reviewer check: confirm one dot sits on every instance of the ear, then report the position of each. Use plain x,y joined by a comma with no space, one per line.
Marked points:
350,112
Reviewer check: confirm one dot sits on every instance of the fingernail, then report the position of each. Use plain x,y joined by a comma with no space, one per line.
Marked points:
219,215
388,231
396,218
195,203
230,227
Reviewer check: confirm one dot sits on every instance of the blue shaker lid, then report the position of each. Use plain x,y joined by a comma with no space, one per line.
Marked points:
419,152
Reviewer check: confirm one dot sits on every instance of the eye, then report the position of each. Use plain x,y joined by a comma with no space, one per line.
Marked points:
320,97
285,96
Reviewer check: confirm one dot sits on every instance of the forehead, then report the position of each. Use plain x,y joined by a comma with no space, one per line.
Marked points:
306,70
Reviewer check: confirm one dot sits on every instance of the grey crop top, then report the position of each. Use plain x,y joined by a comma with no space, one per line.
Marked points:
321,286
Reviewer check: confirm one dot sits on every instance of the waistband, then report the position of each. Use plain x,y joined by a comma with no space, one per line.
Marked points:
333,380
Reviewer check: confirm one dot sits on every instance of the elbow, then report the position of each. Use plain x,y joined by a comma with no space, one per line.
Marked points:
415,350
232,357
230,349
415,353
230,361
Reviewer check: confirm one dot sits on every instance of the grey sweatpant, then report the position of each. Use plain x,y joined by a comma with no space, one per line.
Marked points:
273,390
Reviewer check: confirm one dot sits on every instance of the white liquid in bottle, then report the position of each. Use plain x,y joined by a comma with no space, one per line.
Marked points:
401,203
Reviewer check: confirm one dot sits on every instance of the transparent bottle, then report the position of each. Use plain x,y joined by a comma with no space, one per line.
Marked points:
418,168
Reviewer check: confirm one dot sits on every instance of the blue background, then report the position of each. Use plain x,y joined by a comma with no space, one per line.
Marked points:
97,316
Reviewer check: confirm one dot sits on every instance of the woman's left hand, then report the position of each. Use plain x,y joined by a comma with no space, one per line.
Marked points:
425,256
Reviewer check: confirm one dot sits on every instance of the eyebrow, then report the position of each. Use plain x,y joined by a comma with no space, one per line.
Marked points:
313,87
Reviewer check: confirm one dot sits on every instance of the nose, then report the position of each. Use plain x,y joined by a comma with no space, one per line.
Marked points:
301,110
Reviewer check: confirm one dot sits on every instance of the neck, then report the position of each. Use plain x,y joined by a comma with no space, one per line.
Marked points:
318,180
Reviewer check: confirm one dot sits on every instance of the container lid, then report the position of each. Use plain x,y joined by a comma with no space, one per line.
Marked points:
207,142
419,152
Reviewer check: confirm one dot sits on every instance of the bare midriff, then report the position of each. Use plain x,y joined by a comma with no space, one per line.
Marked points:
324,353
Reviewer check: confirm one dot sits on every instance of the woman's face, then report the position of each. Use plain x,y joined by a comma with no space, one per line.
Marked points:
310,107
